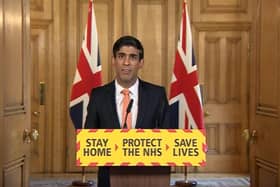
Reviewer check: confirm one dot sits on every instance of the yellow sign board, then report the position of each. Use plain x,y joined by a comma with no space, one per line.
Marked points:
140,147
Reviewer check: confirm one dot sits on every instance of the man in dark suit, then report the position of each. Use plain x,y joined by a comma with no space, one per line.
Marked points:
149,107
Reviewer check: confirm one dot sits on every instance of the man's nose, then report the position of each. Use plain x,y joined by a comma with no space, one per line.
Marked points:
127,60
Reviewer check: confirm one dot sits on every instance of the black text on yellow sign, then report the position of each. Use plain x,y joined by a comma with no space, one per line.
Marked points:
141,147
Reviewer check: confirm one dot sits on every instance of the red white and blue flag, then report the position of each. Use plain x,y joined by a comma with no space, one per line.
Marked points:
88,72
185,96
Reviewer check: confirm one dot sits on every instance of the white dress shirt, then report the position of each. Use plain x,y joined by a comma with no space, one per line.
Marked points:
133,93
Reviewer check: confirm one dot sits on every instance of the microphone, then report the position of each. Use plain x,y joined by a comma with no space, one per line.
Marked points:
129,106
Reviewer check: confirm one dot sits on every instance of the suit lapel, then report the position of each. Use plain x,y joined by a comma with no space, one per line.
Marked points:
142,97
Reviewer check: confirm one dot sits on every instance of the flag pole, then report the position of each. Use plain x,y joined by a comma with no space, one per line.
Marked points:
88,40
83,182
185,182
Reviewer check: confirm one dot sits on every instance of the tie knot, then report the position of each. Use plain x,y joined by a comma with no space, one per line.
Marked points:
125,91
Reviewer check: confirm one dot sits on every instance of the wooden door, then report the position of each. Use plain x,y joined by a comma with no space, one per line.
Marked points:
14,93
38,98
222,32
48,89
223,60
265,98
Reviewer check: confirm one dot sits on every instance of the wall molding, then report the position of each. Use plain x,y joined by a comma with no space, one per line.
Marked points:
213,136
14,110
229,26
239,7
269,166
41,9
264,110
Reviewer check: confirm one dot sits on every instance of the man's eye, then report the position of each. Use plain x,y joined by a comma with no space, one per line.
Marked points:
134,57
121,56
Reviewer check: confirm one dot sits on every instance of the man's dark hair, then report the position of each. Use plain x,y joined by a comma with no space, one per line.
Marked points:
128,41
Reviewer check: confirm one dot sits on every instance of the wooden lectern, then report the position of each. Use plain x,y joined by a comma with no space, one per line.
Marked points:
140,176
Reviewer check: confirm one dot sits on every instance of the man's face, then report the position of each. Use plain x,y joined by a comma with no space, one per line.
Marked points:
127,63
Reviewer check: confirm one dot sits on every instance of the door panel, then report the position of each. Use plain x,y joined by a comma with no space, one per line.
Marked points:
14,173
223,11
265,124
15,91
223,69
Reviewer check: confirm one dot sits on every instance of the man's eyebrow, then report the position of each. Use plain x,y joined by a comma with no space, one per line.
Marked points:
131,54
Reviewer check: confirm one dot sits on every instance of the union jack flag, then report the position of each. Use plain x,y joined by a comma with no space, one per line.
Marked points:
185,96
88,72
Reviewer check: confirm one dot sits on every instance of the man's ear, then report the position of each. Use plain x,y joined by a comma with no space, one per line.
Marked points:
141,63
113,60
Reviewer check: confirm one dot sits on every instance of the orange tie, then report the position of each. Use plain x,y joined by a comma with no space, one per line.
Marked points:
126,100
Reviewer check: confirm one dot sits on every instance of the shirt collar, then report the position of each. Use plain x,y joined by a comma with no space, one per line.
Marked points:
133,89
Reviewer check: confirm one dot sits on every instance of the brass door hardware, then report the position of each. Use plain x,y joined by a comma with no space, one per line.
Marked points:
30,135
250,136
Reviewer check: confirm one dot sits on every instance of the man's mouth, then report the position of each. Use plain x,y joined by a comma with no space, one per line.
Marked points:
126,71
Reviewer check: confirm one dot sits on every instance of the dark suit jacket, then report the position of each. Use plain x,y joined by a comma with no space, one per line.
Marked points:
102,113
